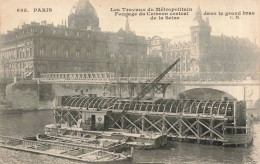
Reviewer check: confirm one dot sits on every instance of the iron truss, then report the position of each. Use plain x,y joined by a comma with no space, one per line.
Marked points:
167,106
210,121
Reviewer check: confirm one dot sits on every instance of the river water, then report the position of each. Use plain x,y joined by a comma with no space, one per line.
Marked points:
33,122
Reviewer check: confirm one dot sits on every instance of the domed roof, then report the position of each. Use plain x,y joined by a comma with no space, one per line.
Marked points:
83,7
83,15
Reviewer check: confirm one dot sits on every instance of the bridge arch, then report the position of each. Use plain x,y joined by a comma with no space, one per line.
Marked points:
207,94
257,104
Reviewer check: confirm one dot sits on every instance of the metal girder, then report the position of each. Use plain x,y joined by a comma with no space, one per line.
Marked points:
190,128
131,123
190,125
203,108
155,123
152,124
214,128
114,122
211,130
172,126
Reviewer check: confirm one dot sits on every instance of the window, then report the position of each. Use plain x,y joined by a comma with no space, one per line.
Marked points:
31,51
195,39
112,55
88,53
20,54
77,53
17,54
42,50
54,52
77,34
66,53
27,52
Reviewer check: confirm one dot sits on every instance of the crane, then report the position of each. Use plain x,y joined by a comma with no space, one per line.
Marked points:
147,89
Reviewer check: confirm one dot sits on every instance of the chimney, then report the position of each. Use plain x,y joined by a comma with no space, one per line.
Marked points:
43,22
127,28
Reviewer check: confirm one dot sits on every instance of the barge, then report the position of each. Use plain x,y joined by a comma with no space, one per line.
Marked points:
72,152
110,139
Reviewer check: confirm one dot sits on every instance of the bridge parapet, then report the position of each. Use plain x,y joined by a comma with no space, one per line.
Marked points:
244,82
140,80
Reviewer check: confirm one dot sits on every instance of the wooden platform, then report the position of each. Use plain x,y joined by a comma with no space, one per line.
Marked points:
119,137
62,151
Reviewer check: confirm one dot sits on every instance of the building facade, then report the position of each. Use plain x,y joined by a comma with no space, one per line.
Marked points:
208,57
80,46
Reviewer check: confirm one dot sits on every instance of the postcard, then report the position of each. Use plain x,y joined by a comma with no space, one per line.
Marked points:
158,81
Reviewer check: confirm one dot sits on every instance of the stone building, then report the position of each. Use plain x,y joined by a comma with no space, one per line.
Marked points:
207,57
80,46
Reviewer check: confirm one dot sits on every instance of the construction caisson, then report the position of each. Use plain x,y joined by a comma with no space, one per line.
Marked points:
222,122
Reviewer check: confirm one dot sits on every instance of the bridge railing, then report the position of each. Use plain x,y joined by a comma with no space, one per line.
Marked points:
140,80
96,77
211,82
109,77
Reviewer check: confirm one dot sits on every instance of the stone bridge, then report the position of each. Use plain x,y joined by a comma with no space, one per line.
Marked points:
247,90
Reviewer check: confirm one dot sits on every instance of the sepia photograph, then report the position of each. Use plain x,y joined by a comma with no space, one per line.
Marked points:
129,81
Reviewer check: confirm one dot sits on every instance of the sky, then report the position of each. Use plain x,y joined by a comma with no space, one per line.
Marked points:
247,26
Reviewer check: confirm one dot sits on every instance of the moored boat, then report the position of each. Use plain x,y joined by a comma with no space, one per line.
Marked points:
63,151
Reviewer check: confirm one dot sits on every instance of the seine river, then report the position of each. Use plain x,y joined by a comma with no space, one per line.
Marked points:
31,123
